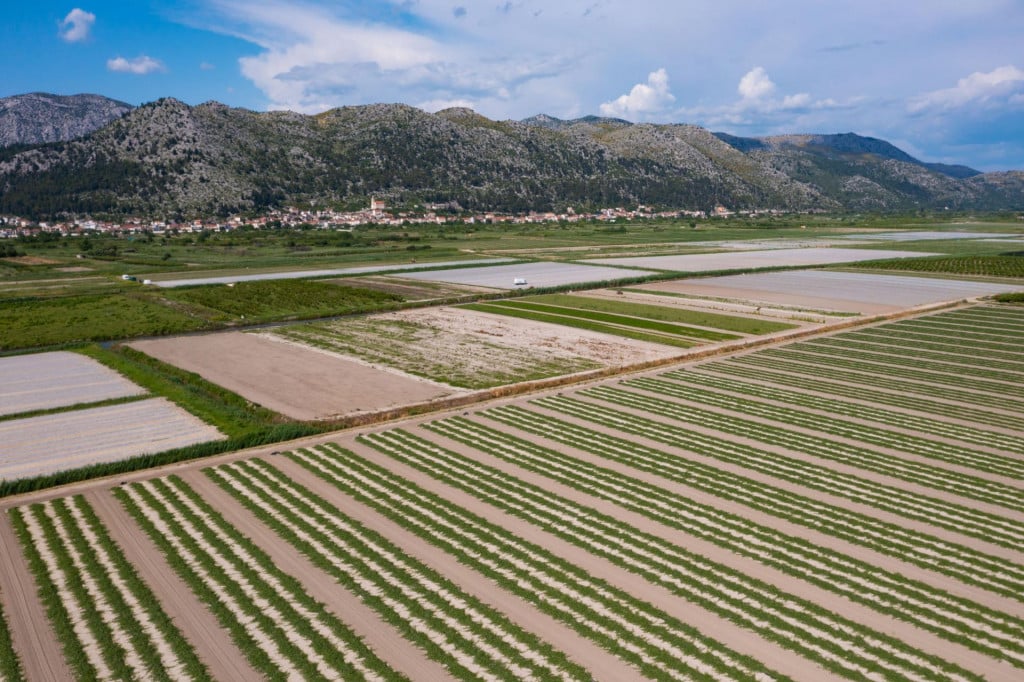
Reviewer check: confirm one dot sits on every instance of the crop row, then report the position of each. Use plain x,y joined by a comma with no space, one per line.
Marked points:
915,422
945,366
659,645
845,647
926,333
1002,316
10,666
957,518
945,377
833,425
997,634
881,378
983,265
629,332
943,344
284,633
864,392
912,350
957,561
966,331
472,639
110,624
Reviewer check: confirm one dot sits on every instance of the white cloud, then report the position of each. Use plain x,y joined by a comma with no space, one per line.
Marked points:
436,105
1003,83
206,66
644,99
755,84
77,25
140,66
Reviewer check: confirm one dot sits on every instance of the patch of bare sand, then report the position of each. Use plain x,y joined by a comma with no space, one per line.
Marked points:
555,339
295,381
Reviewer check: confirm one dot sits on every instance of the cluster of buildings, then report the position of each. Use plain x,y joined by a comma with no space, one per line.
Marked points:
376,214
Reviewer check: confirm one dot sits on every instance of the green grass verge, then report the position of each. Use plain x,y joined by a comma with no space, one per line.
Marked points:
729,323
578,323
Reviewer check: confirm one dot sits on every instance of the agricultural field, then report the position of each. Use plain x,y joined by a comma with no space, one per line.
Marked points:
973,266
300,382
538,274
46,381
748,260
830,291
51,443
847,506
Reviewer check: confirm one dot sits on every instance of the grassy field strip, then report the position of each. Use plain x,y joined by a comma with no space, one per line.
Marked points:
578,323
10,666
959,620
880,379
884,335
126,635
950,366
637,631
472,639
947,376
625,320
911,350
956,561
832,425
282,631
865,392
700,318
940,513
842,646
1004,466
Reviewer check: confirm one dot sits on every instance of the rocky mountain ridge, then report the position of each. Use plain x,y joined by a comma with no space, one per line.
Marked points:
171,159
39,117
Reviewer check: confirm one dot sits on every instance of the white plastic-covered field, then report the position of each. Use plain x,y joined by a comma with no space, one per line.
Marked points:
542,274
745,260
50,443
48,380
843,291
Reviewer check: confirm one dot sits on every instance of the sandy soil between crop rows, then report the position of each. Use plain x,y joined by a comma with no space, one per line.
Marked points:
301,383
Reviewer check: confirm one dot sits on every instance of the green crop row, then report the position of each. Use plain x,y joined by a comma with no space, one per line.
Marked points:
701,318
10,666
109,622
981,265
863,390
960,620
957,518
283,632
944,377
578,323
470,638
652,640
949,364
885,335
958,561
918,472
966,331
964,341
1006,466
910,350
877,378
843,647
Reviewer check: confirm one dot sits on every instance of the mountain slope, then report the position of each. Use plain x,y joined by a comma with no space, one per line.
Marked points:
38,117
167,158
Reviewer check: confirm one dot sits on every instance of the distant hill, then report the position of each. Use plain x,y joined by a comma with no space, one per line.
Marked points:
169,159
38,117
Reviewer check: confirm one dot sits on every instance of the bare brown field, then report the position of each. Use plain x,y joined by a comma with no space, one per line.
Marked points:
302,383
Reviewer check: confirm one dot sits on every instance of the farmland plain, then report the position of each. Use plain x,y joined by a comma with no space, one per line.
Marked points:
51,380
637,527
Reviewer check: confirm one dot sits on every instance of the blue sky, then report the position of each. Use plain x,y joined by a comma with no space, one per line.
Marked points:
942,79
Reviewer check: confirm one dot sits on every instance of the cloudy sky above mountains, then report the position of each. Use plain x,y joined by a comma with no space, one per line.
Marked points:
942,79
